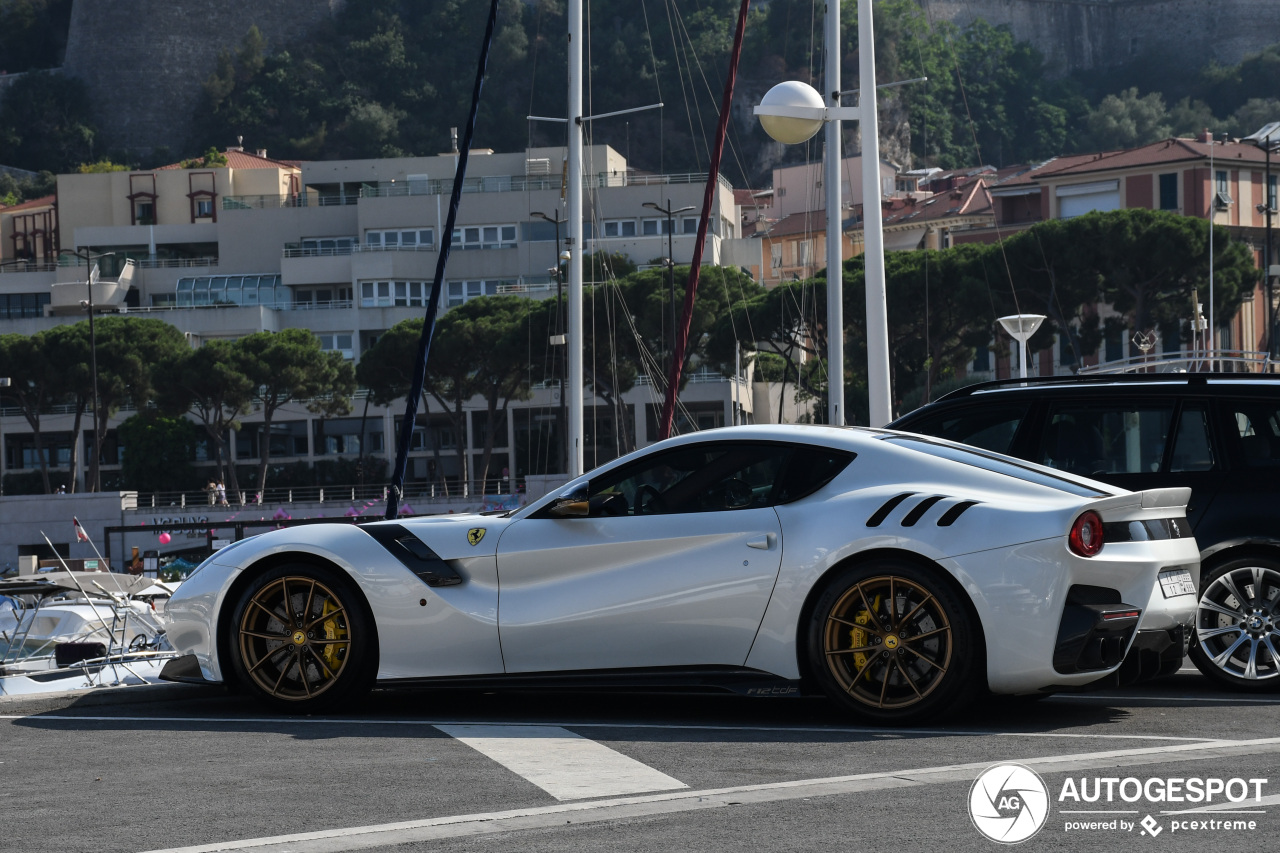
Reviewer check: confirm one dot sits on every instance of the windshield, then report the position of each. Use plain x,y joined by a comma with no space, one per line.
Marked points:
996,464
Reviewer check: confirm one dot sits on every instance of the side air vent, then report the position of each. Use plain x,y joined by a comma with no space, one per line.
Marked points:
949,517
918,511
889,506
414,553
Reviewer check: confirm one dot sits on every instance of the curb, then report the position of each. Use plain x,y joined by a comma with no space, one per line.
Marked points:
40,703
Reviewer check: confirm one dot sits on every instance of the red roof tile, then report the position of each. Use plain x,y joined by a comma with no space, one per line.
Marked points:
1157,153
45,201
246,160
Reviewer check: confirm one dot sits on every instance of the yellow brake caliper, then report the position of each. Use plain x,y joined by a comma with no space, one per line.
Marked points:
333,652
858,636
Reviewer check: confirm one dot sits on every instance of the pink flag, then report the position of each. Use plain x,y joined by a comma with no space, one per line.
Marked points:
81,536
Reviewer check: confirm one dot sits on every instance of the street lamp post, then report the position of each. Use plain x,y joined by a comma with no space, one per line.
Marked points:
671,258
1021,327
87,304
559,338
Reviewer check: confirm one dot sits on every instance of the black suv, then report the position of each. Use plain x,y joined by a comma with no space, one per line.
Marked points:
1217,433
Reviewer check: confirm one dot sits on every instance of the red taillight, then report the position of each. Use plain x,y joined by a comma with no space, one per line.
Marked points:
1085,538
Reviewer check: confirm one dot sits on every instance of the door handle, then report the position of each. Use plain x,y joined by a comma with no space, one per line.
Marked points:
764,543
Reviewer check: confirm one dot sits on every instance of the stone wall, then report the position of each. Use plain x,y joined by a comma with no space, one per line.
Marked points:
1084,34
144,61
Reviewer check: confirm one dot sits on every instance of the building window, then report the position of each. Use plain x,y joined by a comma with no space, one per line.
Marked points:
465,291
485,237
1169,192
204,208
15,306
620,228
775,256
804,252
337,342
1271,191
689,225
385,294
312,246
1221,179
402,238
145,212
654,227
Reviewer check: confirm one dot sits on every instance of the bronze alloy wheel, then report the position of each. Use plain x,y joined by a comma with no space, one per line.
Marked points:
295,637
887,642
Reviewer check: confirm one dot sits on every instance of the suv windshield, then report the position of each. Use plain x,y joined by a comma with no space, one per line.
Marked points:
996,464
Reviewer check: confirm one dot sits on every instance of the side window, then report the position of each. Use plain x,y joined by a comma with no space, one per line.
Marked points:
1097,440
987,428
1191,448
698,478
1258,433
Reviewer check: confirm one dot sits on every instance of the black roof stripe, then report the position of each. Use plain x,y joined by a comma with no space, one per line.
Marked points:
920,509
883,512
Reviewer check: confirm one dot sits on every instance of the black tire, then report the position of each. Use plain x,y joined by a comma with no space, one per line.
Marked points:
920,658
1237,640
320,654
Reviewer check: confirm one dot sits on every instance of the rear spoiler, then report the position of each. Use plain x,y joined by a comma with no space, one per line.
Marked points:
1175,498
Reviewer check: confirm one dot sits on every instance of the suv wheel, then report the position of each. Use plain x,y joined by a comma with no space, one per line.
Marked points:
1237,641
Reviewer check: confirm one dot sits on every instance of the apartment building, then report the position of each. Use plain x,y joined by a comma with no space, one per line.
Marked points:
348,249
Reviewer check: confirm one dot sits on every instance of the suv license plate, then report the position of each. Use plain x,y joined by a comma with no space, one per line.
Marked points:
1177,583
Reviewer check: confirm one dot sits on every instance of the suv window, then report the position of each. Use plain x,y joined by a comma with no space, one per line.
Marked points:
1257,432
1093,440
989,428
1192,450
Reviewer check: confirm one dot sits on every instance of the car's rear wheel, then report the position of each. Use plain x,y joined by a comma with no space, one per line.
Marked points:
1237,642
892,643
301,641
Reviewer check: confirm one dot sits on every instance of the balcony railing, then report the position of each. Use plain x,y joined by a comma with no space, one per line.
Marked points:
444,186
292,250
175,263
28,266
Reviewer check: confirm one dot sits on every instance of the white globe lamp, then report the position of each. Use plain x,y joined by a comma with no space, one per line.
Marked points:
798,99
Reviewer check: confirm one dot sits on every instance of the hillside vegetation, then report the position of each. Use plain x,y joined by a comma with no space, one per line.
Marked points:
389,77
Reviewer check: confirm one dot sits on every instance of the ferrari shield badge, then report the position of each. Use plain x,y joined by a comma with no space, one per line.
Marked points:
475,534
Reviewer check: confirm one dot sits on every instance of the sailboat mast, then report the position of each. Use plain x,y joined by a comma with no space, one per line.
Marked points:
576,244
695,267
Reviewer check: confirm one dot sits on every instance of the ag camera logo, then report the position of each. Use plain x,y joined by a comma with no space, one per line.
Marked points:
1009,803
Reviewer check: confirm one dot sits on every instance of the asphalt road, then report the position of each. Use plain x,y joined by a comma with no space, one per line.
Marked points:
418,771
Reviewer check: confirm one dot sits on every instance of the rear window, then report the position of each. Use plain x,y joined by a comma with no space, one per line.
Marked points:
996,464
988,427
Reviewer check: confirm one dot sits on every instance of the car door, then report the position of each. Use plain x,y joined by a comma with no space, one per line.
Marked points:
673,566
1248,506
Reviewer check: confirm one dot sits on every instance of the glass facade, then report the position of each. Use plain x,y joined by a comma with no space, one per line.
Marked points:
232,290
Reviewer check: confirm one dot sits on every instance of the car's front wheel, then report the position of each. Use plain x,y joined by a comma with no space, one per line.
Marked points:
1237,642
893,644
300,639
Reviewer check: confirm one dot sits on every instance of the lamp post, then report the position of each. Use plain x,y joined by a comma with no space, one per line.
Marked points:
1021,327
87,304
1267,139
671,258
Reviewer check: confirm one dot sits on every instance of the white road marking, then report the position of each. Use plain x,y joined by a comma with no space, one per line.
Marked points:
876,731
1234,700
544,817
1234,808
565,765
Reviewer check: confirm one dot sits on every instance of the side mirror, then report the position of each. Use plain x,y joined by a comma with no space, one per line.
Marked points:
571,503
